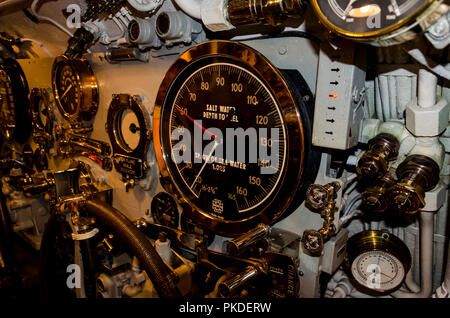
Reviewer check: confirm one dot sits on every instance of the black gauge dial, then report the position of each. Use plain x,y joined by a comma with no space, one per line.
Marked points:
246,117
75,89
7,114
165,210
69,88
368,18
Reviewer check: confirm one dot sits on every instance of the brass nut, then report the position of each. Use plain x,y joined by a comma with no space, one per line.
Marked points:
312,242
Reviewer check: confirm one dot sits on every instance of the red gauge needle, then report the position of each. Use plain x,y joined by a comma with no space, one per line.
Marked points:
195,122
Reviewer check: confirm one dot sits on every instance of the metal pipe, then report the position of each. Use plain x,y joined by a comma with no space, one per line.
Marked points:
241,243
233,285
426,258
426,95
191,7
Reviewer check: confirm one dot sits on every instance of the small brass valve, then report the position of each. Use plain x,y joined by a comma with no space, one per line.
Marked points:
374,163
320,199
417,175
375,198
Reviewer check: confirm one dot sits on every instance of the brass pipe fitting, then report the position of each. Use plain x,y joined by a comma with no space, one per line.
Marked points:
417,175
272,12
236,283
321,199
382,149
375,198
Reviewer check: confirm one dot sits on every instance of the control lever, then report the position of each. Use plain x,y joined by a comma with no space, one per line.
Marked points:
97,146
235,284
240,244
33,189
71,142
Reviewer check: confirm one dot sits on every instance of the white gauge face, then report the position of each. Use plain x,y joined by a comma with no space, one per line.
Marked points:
378,270
130,129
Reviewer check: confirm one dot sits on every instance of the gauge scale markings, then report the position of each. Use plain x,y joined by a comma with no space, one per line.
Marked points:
223,76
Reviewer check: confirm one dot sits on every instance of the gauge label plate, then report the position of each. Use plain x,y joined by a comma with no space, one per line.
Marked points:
130,166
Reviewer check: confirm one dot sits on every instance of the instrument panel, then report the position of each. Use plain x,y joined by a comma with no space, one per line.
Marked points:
196,152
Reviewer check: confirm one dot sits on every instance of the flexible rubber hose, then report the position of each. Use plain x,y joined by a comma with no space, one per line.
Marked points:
138,244
6,242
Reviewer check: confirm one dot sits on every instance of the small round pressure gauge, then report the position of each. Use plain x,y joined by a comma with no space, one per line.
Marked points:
165,210
377,261
75,89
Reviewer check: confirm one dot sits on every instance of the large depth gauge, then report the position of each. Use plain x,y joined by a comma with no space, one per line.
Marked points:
220,109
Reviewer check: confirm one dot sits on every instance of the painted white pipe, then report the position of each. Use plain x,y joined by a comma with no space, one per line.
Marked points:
426,258
443,291
399,131
378,101
384,93
447,271
430,147
411,283
191,7
426,95
392,89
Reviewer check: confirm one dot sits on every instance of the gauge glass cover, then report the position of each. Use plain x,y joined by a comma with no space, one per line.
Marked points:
228,137
378,270
367,18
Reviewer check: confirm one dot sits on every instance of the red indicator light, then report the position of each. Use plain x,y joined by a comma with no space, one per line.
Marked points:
333,95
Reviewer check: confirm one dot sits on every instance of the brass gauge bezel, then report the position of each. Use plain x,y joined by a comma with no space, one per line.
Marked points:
86,82
119,104
389,35
289,182
371,241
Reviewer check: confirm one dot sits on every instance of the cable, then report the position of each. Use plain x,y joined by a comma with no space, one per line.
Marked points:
41,45
41,17
349,206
